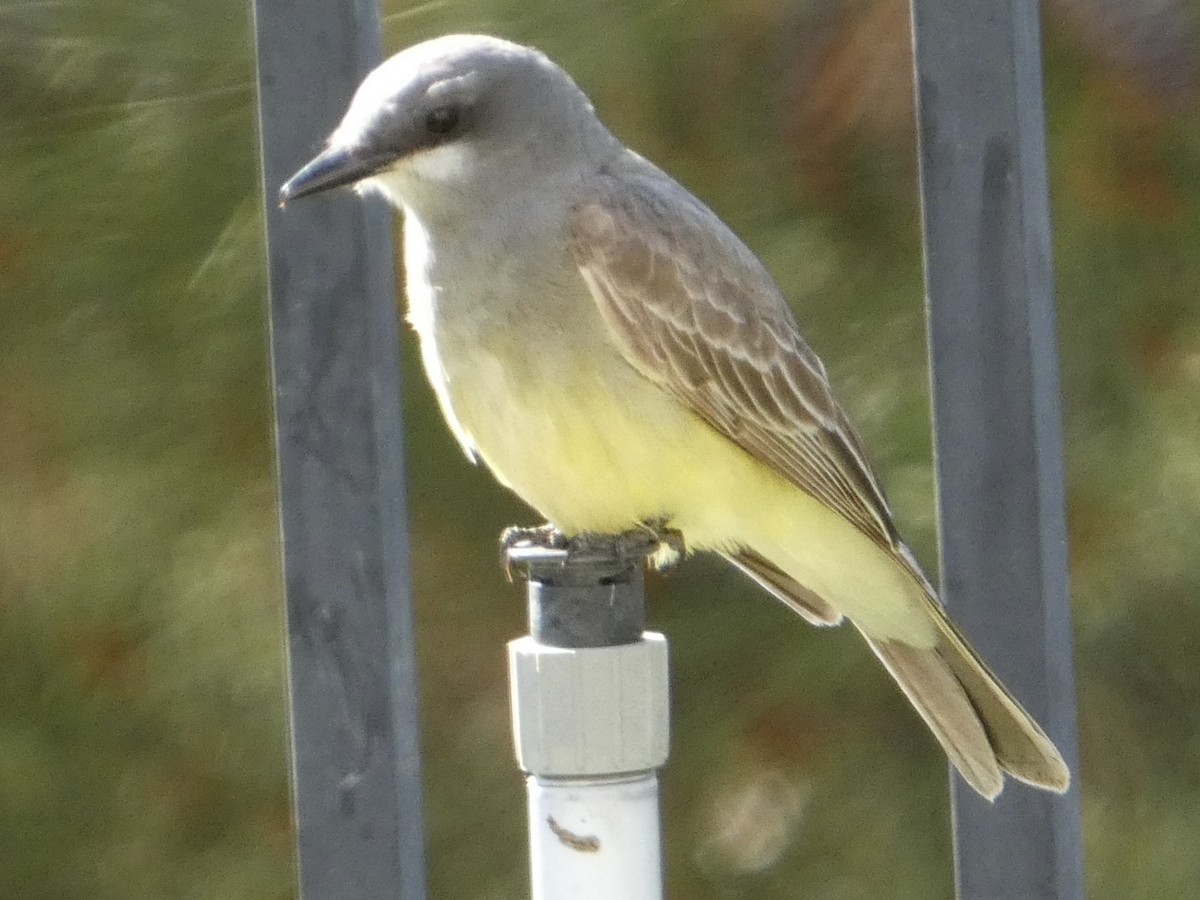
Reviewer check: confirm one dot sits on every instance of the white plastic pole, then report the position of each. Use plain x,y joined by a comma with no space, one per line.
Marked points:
591,729
594,839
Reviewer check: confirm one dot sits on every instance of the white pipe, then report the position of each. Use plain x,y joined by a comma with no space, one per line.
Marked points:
591,727
595,840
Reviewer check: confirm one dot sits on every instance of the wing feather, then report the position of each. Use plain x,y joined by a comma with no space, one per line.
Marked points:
696,312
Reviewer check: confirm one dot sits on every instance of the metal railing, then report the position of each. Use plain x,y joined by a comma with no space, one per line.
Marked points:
998,444
336,362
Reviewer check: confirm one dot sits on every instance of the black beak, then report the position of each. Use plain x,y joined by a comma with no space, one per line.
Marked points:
336,167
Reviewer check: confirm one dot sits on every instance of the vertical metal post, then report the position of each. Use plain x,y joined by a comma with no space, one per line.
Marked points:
335,354
997,416
590,723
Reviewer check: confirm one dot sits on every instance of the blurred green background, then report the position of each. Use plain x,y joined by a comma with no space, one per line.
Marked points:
142,704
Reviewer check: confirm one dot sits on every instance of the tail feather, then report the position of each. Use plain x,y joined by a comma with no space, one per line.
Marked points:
982,728
939,697
979,724
1022,748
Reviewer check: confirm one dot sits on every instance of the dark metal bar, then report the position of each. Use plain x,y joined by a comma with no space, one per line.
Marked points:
335,352
996,409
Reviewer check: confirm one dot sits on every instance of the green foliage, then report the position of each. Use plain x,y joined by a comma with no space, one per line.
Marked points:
142,707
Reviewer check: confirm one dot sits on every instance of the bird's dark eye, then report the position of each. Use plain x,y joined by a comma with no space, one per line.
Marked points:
441,120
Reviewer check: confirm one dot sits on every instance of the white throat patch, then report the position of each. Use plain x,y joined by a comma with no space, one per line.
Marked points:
447,163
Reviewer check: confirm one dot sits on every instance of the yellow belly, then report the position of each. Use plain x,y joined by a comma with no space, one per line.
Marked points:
603,449
591,451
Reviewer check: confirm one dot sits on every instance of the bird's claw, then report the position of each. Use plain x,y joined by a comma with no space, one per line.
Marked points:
665,545
669,544
547,536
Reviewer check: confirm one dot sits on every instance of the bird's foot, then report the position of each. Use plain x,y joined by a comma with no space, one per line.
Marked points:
671,546
664,546
546,536
625,547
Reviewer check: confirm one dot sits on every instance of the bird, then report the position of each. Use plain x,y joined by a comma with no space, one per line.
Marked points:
617,356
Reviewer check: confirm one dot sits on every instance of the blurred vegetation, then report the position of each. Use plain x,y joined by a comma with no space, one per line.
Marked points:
142,707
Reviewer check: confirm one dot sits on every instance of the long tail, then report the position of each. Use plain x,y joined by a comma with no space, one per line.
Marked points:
979,724
982,728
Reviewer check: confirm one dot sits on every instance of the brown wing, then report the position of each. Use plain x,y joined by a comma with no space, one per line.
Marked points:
696,312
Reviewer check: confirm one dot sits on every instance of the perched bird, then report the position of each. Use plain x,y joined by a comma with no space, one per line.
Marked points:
617,356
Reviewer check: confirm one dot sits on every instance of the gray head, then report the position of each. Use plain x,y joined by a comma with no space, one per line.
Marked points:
462,115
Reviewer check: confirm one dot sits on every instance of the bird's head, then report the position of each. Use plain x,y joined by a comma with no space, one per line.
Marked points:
462,116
